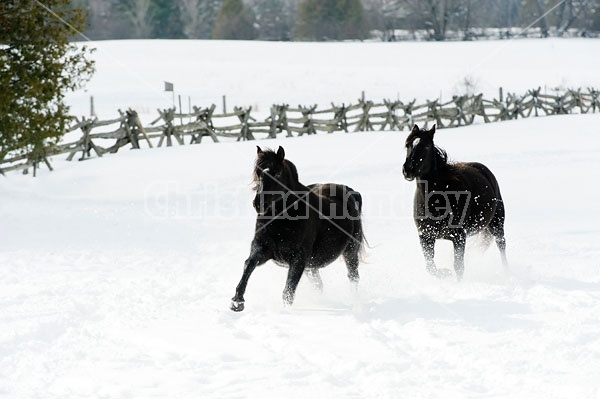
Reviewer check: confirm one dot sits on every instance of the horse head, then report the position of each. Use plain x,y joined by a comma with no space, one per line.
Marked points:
420,153
272,179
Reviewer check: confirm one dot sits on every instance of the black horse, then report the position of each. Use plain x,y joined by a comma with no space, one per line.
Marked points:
301,227
452,201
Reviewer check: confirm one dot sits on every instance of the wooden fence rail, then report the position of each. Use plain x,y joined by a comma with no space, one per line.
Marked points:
169,127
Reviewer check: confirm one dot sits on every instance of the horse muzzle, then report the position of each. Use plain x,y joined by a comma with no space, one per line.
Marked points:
260,206
408,175
262,211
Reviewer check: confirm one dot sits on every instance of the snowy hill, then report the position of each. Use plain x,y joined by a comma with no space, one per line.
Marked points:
117,273
259,74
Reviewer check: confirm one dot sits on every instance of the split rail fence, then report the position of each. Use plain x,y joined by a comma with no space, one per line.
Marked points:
108,136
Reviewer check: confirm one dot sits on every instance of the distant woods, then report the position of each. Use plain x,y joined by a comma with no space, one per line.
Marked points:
321,20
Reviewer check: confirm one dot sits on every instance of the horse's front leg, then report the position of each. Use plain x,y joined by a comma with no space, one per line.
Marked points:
293,278
459,239
428,246
257,257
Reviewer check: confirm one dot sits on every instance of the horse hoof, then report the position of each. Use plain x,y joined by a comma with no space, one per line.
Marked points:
237,306
287,303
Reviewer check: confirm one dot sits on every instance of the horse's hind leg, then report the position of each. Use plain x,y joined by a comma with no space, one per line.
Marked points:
295,271
496,227
459,241
355,246
501,243
315,277
351,258
357,240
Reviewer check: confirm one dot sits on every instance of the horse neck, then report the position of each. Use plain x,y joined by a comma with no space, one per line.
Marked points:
435,176
291,179
293,190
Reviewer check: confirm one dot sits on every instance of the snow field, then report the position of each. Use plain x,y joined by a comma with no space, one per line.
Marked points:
114,286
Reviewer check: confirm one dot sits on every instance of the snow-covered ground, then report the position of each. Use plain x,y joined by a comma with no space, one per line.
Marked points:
116,273
259,74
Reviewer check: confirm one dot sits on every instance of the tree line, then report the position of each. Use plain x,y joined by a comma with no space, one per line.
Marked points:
319,20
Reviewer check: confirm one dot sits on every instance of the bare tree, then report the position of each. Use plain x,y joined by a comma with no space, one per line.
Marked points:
437,15
560,16
539,5
508,12
198,17
140,15
190,17
235,21
572,11
387,16
274,18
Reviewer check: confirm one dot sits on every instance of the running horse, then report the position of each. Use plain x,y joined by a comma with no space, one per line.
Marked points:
300,227
452,200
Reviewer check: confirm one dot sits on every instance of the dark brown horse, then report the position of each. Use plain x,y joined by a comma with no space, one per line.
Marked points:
452,200
302,227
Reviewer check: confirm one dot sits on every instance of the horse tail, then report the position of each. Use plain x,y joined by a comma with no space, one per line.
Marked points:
355,195
355,204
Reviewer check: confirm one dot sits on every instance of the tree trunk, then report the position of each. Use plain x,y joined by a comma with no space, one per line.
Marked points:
542,22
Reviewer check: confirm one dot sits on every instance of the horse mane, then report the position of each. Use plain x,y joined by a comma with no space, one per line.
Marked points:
441,157
269,157
442,165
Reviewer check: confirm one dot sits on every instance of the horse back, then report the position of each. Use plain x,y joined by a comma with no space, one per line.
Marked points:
479,177
473,195
339,194
339,226
485,198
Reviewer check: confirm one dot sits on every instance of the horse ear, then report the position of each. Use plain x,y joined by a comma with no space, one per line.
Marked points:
431,131
259,152
415,128
280,153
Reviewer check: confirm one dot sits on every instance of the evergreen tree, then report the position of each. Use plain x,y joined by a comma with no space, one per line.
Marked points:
38,66
198,17
167,20
234,22
331,20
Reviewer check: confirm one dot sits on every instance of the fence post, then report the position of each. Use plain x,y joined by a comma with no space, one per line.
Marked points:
364,123
180,110
273,127
244,117
408,119
92,108
308,122
340,119
595,102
